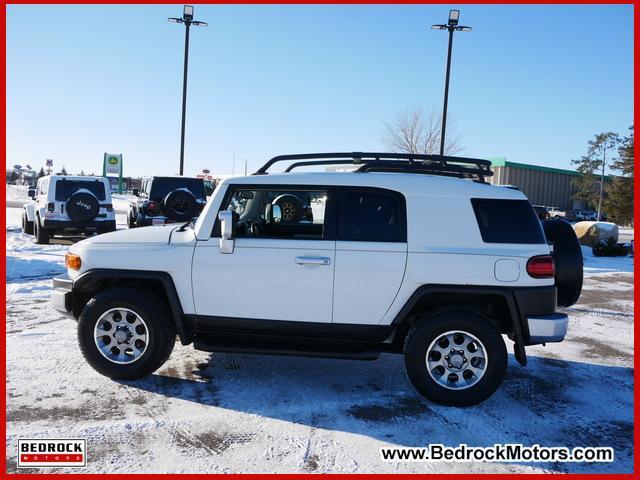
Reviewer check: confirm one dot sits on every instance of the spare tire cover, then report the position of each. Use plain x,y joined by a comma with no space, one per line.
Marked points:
567,256
82,206
180,205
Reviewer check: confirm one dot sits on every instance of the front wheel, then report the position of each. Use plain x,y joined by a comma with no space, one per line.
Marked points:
125,333
455,358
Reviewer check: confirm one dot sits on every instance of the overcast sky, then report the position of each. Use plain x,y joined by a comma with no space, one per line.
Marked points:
530,83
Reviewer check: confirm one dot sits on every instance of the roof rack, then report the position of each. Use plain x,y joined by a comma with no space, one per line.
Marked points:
460,167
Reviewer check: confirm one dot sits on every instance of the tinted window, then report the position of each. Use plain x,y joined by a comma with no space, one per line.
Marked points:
300,214
65,188
372,217
507,221
161,187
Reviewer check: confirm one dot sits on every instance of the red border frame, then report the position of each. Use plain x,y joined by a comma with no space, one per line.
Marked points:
636,295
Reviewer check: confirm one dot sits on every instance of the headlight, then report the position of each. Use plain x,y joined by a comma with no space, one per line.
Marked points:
72,261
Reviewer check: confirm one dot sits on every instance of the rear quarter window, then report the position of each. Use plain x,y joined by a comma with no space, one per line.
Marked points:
507,221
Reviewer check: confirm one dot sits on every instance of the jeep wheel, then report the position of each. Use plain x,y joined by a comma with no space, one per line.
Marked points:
131,221
180,205
290,206
455,358
125,333
27,226
42,234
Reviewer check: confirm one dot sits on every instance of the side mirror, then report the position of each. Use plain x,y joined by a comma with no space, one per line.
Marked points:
31,193
226,231
135,192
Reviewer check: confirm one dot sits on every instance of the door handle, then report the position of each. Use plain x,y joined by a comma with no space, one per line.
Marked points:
313,260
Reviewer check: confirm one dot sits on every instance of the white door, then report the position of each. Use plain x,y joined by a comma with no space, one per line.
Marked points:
371,255
281,267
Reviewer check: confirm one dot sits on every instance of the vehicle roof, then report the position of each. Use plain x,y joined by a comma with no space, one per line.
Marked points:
171,176
406,183
76,177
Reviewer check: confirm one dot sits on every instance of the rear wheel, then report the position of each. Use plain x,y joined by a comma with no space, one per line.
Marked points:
27,226
125,333
455,358
41,233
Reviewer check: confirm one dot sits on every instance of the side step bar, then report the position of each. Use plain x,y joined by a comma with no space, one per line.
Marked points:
297,349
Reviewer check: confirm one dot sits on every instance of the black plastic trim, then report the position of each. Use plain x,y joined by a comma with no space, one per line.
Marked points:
165,279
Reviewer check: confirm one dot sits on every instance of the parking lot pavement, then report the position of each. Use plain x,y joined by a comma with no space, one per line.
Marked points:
205,412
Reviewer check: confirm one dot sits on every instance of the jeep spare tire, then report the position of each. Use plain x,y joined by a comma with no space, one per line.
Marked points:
82,206
180,205
567,256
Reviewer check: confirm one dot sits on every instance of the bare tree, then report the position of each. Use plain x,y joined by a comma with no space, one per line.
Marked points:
414,132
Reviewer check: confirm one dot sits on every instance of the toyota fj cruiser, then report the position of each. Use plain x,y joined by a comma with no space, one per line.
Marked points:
65,204
344,265
167,200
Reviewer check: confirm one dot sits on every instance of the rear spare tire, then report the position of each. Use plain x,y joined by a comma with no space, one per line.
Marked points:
82,206
180,205
567,256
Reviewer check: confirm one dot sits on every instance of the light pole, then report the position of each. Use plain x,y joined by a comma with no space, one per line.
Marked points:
452,26
187,19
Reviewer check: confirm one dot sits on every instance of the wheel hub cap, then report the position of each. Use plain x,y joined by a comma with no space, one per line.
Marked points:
121,335
456,360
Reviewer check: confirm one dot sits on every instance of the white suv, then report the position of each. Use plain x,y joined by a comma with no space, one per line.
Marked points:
65,204
409,254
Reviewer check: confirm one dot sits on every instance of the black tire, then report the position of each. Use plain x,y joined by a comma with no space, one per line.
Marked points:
82,206
430,328
180,205
27,226
131,221
41,233
161,332
567,256
290,206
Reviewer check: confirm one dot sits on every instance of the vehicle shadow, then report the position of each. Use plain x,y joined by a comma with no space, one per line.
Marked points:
550,402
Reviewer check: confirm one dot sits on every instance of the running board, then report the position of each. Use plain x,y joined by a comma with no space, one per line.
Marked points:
297,349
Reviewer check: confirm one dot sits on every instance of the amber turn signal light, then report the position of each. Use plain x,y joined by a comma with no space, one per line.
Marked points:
72,261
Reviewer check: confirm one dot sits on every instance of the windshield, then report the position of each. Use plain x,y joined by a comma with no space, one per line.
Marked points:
162,186
66,188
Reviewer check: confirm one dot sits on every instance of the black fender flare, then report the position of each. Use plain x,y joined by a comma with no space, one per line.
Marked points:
90,277
520,329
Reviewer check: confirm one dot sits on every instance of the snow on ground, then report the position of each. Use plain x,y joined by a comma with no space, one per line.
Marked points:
218,412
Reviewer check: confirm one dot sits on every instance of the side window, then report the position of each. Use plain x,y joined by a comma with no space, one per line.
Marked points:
372,216
293,214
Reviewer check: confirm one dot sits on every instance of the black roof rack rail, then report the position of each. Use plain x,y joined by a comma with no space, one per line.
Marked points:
460,167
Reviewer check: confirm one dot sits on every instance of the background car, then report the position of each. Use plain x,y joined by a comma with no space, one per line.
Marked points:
65,204
167,200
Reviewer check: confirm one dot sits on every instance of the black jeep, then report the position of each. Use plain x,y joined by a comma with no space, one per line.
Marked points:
167,200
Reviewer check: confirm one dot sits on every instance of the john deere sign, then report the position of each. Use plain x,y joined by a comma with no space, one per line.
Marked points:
112,167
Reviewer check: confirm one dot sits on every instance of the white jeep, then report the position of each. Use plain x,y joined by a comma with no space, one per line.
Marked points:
65,204
409,254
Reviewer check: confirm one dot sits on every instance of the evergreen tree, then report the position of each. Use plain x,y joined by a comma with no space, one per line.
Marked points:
619,203
41,172
82,172
63,171
588,188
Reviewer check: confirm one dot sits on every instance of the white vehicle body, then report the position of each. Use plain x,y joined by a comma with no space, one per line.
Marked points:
333,264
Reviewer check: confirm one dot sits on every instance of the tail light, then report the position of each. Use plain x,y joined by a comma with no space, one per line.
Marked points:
541,266
152,207
109,207
51,206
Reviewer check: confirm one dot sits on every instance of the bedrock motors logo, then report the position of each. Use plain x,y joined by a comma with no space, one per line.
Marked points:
52,452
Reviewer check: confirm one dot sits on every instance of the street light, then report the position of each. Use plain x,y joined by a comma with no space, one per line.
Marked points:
452,26
187,19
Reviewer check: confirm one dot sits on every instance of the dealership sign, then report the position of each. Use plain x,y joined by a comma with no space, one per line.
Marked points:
38,453
112,164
